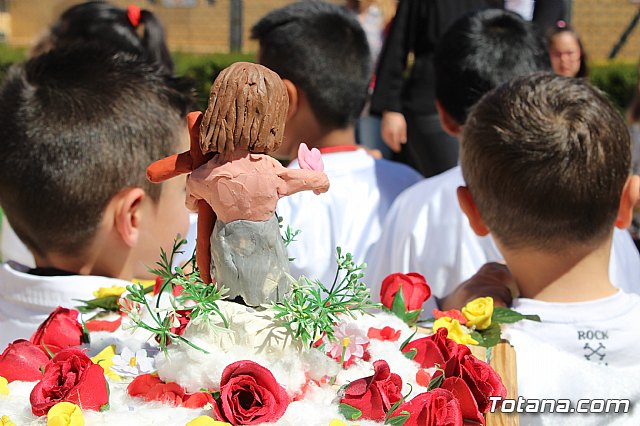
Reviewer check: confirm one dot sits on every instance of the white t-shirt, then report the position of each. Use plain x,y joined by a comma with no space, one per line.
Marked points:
27,300
523,8
11,248
425,231
349,215
585,350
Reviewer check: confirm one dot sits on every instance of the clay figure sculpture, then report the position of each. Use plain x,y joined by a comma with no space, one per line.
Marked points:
234,185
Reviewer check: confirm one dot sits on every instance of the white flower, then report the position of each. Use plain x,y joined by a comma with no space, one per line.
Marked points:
131,308
130,364
347,337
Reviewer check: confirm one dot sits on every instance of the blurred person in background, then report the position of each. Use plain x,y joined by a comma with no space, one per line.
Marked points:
568,57
375,17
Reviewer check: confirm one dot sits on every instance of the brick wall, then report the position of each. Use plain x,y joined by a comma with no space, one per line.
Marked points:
205,27
600,24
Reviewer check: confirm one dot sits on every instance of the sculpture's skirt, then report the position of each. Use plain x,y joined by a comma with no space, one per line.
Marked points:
250,259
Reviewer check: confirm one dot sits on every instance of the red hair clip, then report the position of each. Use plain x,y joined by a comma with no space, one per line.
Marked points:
133,13
561,24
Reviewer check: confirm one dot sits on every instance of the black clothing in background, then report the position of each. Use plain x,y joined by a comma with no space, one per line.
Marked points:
416,28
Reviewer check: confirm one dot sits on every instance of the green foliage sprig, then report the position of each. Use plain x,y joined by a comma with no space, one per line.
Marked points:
196,298
312,310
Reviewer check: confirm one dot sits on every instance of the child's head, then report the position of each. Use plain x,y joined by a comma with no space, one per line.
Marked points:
101,22
481,51
322,50
545,160
567,54
247,111
78,127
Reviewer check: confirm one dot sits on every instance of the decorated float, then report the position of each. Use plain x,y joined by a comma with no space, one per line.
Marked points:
232,338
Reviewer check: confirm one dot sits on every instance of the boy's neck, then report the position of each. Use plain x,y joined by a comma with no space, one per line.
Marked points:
573,275
331,138
90,263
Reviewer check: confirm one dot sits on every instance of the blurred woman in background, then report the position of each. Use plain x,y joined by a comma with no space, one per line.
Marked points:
568,57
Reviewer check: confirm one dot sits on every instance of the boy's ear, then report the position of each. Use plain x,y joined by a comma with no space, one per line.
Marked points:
294,97
128,214
447,122
468,206
629,198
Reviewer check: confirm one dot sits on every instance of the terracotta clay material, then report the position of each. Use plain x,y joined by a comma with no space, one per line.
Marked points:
235,186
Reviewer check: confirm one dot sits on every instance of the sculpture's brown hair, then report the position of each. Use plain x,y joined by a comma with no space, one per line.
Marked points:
247,110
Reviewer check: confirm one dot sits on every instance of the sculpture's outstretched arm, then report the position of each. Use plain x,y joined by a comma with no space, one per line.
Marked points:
186,162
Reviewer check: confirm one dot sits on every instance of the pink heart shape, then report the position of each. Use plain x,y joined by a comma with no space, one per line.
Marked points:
310,159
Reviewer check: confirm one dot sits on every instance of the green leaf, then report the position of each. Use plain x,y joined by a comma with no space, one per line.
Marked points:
108,303
398,420
411,317
51,354
436,381
406,342
488,337
398,307
106,406
509,316
395,406
86,338
349,412
411,354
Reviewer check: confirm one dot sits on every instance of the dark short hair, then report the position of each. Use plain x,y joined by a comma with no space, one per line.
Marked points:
545,159
481,51
101,22
323,50
77,126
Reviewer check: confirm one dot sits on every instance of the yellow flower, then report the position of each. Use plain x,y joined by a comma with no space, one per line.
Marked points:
109,291
145,283
105,360
456,332
478,312
65,414
206,421
6,421
4,389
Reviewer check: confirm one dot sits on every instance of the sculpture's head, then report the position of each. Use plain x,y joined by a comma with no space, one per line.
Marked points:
247,110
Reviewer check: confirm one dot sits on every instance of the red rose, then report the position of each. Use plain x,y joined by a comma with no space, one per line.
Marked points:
415,290
451,313
483,381
22,360
438,407
72,377
60,330
457,361
374,395
468,404
438,349
249,394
